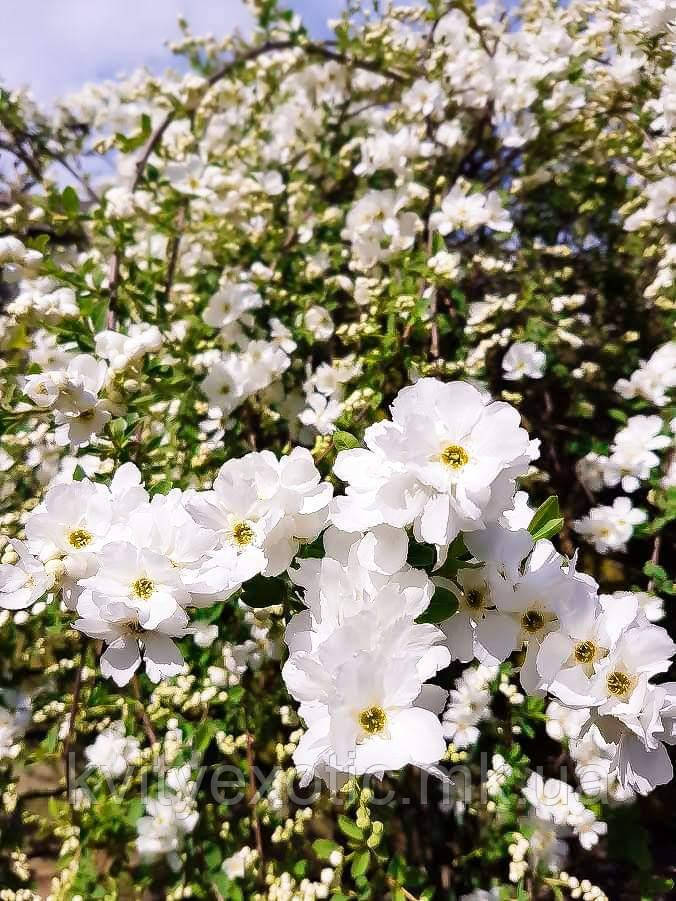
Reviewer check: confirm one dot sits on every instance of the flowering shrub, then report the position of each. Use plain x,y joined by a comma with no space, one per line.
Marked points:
305,404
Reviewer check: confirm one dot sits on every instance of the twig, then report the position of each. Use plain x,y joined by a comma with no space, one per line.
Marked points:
147,726
173,254
252,800
40,793
113,282
405,892
77,688
655,558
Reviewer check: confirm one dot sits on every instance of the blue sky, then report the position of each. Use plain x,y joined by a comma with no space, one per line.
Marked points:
54,46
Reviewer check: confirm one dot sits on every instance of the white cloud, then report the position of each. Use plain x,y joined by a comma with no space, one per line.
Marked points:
54,46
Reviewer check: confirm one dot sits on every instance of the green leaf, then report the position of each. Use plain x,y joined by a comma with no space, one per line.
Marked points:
203,735
163,487
546,512
421,556
51,740
551,528
344,440
70,201
443,604
263,592
117,428
324,848
360,864
78,473
349,828
213,856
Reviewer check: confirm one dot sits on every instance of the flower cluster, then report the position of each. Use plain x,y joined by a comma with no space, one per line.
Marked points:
316,360
131,565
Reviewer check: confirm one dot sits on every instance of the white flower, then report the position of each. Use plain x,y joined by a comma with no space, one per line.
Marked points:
121,626
564,722
522,514
318,321
445,463
469,704
321,413
610,528
654,378
461,210
365,720
633,456
377,226
230,302
112,751
237,865
169,817
204,635
122,349
523,359
263,507
358,661
72,521
23,583
138,580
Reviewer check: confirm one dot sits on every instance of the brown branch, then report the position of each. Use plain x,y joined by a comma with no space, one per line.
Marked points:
113,284
251,55
173,253
145,720
93,196
252,801
405,892
68,741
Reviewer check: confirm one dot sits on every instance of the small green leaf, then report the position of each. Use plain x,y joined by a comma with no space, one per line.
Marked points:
213,856
547,511
264,592
117,428
70,201
421,556
360,864
344,440
551,528
324,848
443,604
349,828
162,487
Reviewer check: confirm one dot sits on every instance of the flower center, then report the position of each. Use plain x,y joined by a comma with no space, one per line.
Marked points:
143,588
135,627
372,720
532,621
585,651
619,684
80,538
242,533
474,598
454,456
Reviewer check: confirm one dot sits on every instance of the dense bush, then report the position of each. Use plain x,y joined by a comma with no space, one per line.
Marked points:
306,403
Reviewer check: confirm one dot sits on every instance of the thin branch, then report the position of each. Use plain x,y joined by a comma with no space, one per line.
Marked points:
252,801
77,688
36,793
145,720
93,196
405,892
173,253
268,47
